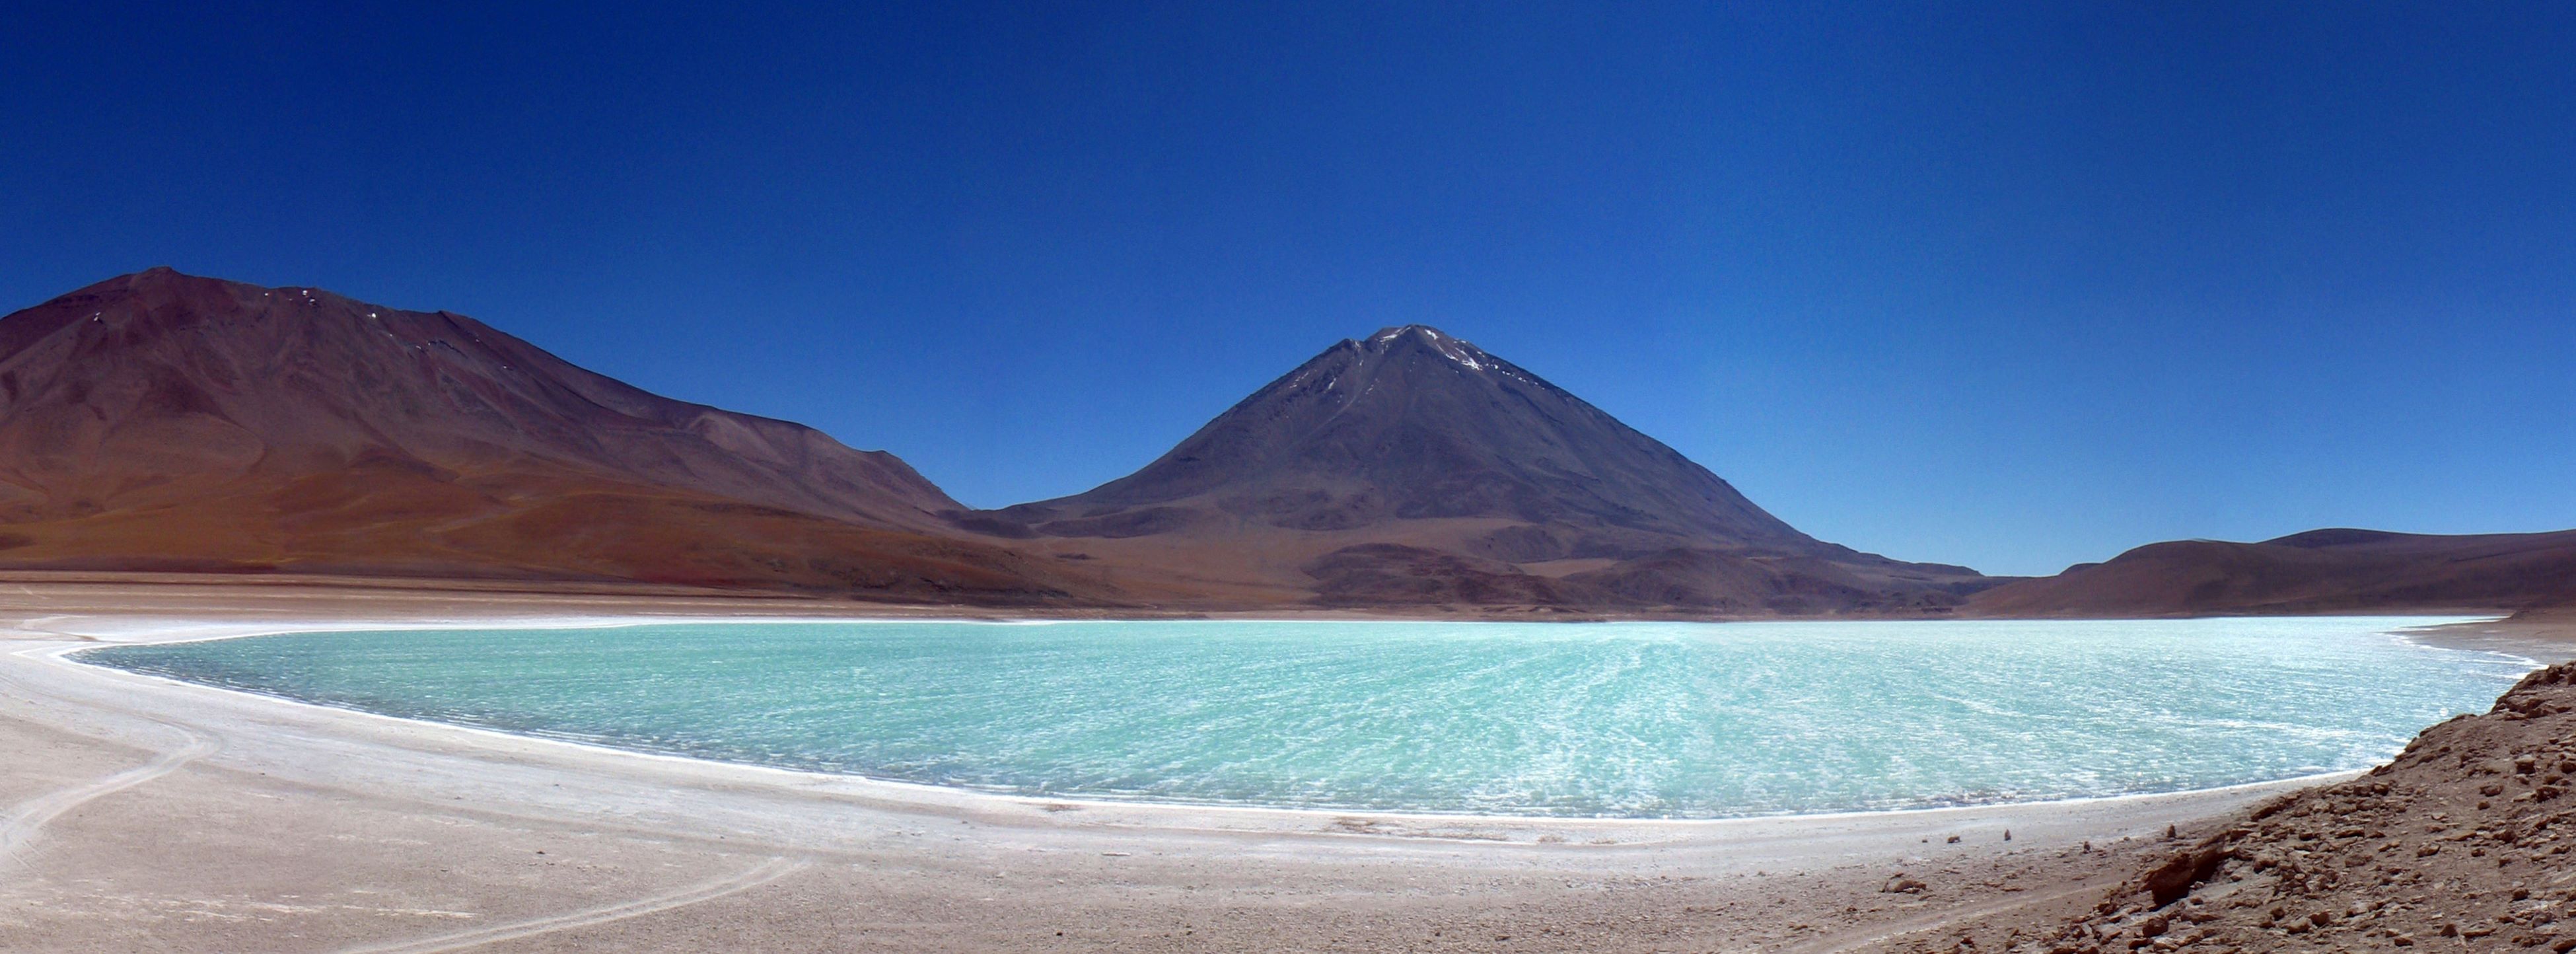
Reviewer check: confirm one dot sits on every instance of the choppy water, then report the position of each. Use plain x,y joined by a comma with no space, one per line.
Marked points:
1624,719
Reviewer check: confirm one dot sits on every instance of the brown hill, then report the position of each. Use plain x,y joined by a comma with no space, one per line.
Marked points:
165,421
2320,571
1414,468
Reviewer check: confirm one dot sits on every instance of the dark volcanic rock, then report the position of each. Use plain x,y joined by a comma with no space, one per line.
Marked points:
1412,424
2462,842
1380,574
1412,467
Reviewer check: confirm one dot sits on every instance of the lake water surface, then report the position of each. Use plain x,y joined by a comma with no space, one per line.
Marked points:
1615,719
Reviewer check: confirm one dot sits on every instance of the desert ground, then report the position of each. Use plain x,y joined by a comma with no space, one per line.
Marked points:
139,814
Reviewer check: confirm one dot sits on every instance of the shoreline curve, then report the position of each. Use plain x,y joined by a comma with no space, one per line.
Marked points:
932,795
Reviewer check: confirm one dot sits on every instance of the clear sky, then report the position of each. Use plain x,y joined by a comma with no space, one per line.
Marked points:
2005,285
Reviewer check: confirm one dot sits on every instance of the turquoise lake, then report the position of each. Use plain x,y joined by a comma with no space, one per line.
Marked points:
1677,720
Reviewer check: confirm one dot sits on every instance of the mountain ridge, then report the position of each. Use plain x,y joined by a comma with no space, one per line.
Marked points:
133,310
2335,569
166,422
162,420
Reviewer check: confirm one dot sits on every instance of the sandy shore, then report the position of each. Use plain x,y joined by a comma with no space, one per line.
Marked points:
144,814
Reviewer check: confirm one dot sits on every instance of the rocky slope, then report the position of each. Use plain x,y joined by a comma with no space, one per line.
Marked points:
167,421
2462,843
1411,468
2320,571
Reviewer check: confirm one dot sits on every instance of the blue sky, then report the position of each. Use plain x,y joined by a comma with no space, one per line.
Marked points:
2006,285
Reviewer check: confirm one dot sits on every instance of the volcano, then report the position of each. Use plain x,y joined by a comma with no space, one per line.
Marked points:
161,421
1412,467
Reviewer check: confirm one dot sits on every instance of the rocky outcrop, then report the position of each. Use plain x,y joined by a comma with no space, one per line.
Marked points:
2462,842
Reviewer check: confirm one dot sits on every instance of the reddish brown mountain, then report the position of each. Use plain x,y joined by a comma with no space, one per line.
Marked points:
2320,571
1414,468
164,421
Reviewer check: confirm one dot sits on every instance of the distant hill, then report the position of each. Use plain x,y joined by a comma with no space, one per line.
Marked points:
161,421
1413,468
2320,571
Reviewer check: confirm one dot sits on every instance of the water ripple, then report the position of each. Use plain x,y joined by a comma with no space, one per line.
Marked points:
1628,719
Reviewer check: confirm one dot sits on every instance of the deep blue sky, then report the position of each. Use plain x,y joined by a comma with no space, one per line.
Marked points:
2013,286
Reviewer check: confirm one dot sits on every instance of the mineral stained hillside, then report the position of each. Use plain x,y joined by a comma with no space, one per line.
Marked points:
2320,571
1412,467
161,421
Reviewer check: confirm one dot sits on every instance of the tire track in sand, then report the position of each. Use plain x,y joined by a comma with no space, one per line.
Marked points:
761,874
27,821
1929,921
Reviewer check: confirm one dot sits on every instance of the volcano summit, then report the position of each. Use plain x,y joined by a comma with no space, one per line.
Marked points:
1414,467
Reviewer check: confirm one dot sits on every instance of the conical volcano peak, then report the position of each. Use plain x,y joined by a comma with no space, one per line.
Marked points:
1424,338
1423,332
1411,466
1387,339
1412,423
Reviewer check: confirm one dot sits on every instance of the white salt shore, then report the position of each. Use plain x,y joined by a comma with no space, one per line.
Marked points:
144,813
